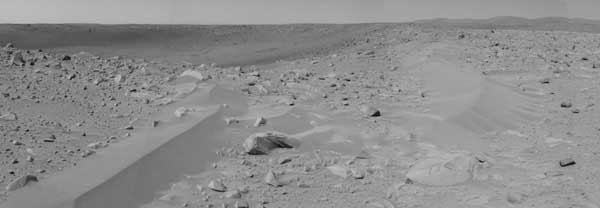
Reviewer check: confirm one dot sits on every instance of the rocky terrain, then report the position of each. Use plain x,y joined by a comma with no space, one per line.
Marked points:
398,115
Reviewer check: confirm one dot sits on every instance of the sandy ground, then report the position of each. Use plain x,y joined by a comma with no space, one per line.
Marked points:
383,116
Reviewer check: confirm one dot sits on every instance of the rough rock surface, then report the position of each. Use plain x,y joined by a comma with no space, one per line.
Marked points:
263,143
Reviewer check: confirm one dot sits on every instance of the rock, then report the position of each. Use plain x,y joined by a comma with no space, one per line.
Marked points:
21,182
9,45
17,59
271,179
181,111
515,197
29,158
566,105
8,116
154,123
443,170
241,204
357,174
235,194
230,121
217,186
284,160
263,143
50,138
87,153
566,162
369,111
97,145
119,79
545,81
195,74
66,58
369,53
15,142
339,171
260,121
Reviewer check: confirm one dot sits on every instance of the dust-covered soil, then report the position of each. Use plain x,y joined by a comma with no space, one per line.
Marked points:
396,115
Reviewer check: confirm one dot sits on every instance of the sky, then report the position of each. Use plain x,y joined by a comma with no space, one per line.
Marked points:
281,11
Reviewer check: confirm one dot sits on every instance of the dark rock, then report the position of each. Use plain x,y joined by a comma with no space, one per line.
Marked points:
566,162
50,138
566,105
263,143
545,81
66,58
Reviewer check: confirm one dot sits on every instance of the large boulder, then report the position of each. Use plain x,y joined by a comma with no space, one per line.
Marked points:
263,143
443,170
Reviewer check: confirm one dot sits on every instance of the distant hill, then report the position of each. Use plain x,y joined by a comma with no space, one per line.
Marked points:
518,23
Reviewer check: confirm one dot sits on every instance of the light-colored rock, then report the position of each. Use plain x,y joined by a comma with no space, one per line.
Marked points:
263,143
17,59
271,179
181,111
339,171
195,74
260,121
443,170
369,111
217,186
97,145
234,194
230,121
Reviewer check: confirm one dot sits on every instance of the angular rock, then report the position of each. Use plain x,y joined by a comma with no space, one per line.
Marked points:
217,186
21,182
357,174
545,81
260,121
97,145
235,194
230,121
443,170
369,111
339,171
271,179
194,74
87,153
263,143
566,162
17,59
50,138
566,105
